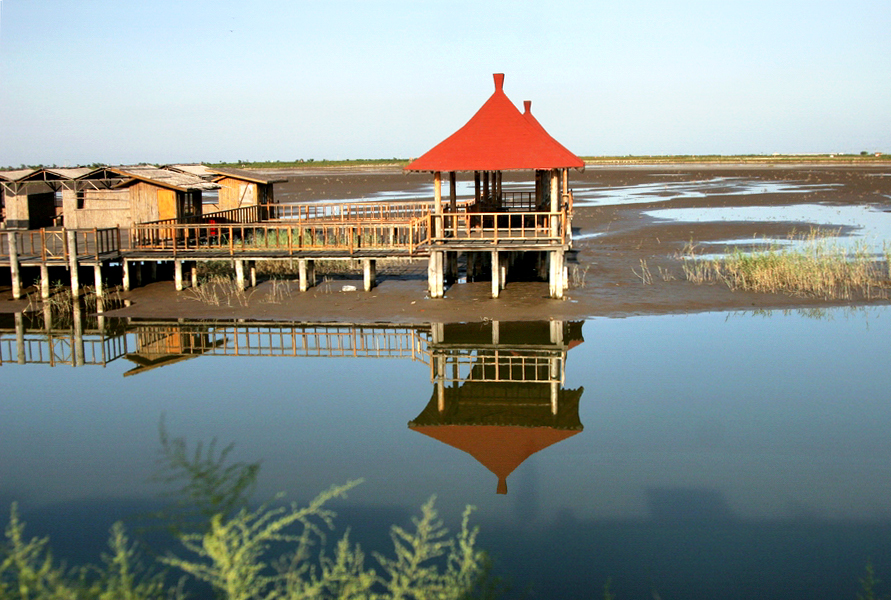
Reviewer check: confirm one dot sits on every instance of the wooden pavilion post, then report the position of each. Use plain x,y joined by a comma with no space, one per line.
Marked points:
437,203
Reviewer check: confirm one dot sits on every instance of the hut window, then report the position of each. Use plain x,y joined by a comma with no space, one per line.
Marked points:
79,194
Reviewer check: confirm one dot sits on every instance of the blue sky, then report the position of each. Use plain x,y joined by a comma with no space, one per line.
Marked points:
189,80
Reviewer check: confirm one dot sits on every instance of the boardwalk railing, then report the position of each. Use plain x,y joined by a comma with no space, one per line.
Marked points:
286,239
52,245
357,211
495,227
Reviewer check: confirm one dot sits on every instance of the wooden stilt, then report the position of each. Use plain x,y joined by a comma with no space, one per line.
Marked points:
97,280
239,275
13,238
44,281
153,271
78,335
178,275
369,273
20,338
556,273
125,274
303,272
253,270
73,265
435,274
194,274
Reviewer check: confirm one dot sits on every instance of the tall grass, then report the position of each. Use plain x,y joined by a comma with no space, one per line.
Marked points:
816,266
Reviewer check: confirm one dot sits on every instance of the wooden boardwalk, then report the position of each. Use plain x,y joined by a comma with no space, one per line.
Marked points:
365,231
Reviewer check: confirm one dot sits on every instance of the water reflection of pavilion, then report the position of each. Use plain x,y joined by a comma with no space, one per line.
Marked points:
498,391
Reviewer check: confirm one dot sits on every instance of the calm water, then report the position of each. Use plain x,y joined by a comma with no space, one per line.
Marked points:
696,456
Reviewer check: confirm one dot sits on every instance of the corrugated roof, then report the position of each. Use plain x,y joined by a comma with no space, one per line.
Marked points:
15,175
201,171
165,178
497,138
244,176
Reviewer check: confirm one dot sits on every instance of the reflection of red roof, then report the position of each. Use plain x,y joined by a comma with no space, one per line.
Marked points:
497,138
499,449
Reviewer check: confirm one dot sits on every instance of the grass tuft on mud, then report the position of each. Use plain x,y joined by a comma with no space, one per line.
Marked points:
815,266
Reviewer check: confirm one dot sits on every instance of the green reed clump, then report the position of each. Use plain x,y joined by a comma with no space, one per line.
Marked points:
817,267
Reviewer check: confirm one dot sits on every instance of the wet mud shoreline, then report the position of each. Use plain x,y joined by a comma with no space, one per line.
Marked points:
615,239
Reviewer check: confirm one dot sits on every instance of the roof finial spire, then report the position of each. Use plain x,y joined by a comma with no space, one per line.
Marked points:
527,106
499,81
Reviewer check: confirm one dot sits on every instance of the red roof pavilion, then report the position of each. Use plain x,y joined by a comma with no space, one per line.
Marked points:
498,138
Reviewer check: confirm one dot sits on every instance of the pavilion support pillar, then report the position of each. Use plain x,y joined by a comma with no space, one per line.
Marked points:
97,280
306,271
555,201
14,272
369,273
437,204
139,274
435,274
44,281
178,275
496,274
239,275
153,270
556,279
72,264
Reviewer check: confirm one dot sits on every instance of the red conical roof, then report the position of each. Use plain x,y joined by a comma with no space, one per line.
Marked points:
497,138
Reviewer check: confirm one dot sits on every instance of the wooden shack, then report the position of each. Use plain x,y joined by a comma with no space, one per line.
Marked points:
33,197
123,196
238,188
496,139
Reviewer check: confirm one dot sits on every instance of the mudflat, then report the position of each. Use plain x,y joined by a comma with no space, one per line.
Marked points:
627,259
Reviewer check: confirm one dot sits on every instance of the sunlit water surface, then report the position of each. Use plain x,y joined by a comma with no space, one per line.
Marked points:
731,455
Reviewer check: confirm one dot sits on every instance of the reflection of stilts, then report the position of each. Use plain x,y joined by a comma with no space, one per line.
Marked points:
498,391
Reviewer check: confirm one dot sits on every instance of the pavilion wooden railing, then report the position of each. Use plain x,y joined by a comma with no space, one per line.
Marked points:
405,236
495,227
357,211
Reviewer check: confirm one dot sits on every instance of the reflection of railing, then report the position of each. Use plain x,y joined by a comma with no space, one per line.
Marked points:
280,340
286,239
61,347
532,366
